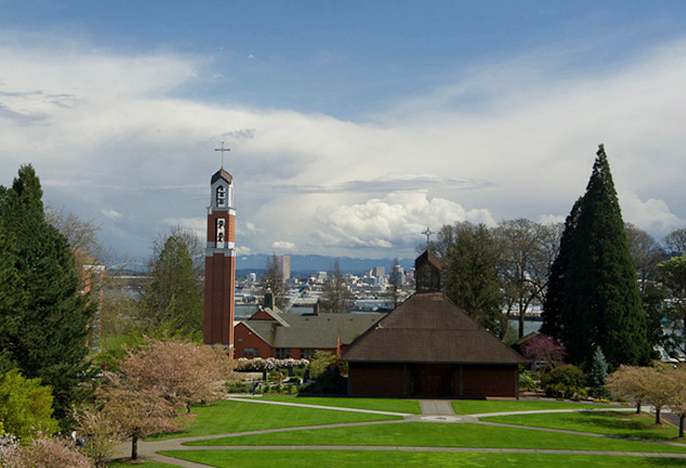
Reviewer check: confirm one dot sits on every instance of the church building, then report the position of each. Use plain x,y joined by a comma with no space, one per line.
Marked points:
429,347
220,261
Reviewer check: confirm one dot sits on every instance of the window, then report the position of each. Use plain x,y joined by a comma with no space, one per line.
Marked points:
307,353
251,352
283,353
221,196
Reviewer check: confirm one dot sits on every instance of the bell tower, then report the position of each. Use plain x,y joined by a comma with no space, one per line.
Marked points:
220,260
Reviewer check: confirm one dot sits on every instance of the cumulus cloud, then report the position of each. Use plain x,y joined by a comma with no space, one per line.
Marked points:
283,246
396,219
111,134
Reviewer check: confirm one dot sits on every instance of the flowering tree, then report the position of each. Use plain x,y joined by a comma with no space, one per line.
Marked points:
546,349
677,402
655,385
630,382
136,412
182,372
44,452
100,434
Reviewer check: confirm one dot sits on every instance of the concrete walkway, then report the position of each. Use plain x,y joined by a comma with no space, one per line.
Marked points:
432,411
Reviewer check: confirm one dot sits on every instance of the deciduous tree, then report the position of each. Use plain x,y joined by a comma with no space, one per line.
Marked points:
470,258
274,281
674,277
676,241
173,299
183,372
136,412
337,297
47,452
545,350
25,406
527,251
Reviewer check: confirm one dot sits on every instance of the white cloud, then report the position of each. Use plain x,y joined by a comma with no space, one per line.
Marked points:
396,219
113,215
652,215
105,133
283,245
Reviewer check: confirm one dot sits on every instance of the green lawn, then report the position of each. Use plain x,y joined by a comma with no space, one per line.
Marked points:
238,416
377,404
228,417
382,459
501,406
420,434
144,464
605,422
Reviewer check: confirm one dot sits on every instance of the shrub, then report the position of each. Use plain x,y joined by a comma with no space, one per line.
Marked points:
564,382
47,452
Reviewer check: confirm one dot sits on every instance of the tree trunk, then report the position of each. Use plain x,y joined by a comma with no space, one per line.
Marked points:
638,406
134,448
521,323
657,415
681,425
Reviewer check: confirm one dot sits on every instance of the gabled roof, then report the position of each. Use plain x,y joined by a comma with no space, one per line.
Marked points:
430,328
291,330
221,174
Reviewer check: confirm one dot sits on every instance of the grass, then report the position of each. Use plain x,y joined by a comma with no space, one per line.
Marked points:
142,463
377,404
605,422
238,416
502,406
420,434
360,459
227,417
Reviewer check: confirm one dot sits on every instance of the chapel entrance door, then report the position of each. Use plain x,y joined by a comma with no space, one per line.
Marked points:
432,380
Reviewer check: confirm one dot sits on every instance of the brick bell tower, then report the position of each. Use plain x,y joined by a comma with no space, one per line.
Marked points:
220,260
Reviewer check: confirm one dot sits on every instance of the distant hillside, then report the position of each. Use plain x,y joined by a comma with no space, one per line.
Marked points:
307,264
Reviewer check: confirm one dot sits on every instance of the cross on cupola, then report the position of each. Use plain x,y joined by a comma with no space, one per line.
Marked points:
223,150
428,233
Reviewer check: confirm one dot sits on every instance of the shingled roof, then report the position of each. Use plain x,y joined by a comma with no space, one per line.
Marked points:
291,330
430,328
221,174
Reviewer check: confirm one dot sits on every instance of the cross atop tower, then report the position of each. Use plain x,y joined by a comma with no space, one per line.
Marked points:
223,150
428,234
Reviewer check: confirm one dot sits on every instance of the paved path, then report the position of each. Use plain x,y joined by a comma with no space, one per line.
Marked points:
432,411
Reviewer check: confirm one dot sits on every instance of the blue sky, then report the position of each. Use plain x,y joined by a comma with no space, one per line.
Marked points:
353,125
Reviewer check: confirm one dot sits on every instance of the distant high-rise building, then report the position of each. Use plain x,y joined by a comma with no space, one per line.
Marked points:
378,271
283,263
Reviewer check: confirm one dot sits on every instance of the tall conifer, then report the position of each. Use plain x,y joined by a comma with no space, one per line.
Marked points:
48,337
554,299
601,301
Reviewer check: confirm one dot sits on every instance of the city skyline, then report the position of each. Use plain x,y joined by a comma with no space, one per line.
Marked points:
352,127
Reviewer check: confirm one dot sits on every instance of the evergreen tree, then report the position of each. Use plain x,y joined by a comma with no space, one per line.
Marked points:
470,274
48,336
598,375
172,300
601,303
555,294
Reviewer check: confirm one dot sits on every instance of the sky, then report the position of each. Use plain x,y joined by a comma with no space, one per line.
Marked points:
352,125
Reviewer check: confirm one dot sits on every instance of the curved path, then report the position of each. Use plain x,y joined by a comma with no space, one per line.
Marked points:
438,411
